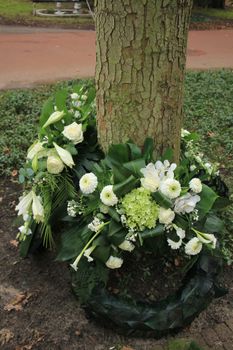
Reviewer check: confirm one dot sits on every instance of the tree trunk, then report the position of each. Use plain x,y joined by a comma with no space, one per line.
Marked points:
141,54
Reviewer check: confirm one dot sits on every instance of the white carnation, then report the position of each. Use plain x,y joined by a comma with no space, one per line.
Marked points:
88,183
195,185
186,203
114,263
166,216
151,178
108,197
193,247
170,188
73,132
127,246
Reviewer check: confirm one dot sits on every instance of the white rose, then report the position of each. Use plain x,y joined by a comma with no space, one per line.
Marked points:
54,164
151,178
54,117
65,156
88,183
170,188
195,185
108,197
113,262
166,216
127,246
73,132
186,203
193,247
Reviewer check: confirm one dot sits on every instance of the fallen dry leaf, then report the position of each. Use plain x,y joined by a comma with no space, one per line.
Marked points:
5,336
14,243
17,304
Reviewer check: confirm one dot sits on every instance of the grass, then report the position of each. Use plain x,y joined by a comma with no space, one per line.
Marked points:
20,12
210,13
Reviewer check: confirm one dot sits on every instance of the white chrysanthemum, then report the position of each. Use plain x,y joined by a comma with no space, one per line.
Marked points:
113,262
173,244
166,216
24,204
186,203
151,178
88,183
195,185
54,164
127,246
207,238
170,188
65,156
73,132
37,208
108,197
193,247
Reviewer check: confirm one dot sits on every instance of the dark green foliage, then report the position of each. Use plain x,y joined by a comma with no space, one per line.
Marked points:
183,344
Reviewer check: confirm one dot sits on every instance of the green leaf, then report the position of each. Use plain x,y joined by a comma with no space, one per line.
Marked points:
221,203
21,179
125,186
162,200
213,224
148,149
168,154
47,110
102,253
60,100
208,197
119,154
135,166
113,213
135,151
30,172
154,232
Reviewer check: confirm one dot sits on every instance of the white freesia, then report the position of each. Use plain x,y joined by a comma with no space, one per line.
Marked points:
207,238
88,252
73,132
195,185
108,197
35,148
65,156
24,204
95,225
88,183
127,246
166,216
113,262
193,247
170,188
151,178
174,245
76,262
37,208
54,164
54,117
179,231
25,230
186,203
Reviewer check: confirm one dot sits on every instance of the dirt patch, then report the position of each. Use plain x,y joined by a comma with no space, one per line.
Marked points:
38,310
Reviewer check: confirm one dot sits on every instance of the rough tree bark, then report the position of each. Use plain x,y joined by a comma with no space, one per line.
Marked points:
141,53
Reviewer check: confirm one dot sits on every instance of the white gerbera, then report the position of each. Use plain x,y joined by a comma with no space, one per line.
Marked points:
195,185
193,247
166,216
113,262
88,183
170,188
108,197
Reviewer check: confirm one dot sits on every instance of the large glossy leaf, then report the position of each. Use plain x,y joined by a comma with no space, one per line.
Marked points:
162,200
208,197
148,149
119,154
213,224
134,166
126,186
154,232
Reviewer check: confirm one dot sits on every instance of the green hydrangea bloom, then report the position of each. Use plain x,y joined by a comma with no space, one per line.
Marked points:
140,209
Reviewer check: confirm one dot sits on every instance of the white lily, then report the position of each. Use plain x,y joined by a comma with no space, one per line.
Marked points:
34,149
37,208
54,117
65,156
24,204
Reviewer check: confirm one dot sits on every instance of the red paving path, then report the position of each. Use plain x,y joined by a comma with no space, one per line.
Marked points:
32,56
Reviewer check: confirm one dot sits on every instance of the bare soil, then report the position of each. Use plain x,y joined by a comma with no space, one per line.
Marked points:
38,310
